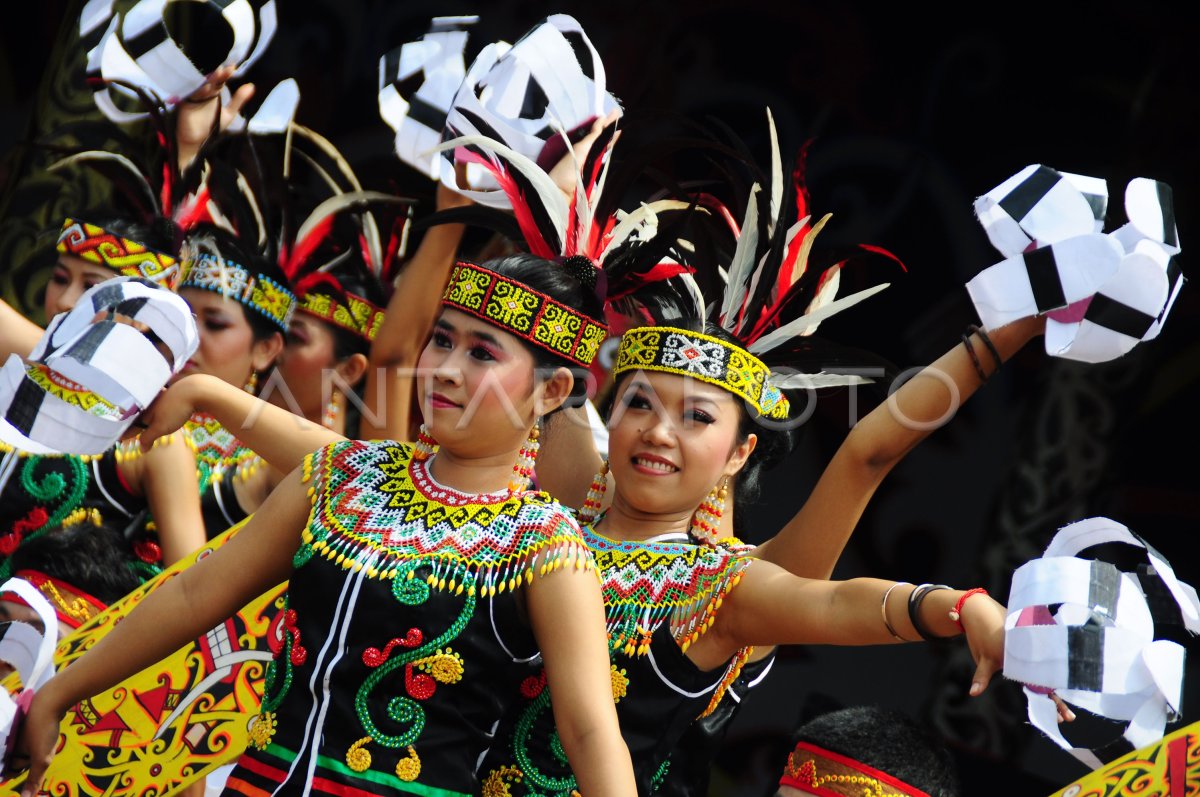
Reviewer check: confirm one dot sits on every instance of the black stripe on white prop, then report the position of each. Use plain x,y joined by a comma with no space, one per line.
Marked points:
31,654
1048,225
137,48
109,358
417,84
1087,631
536,98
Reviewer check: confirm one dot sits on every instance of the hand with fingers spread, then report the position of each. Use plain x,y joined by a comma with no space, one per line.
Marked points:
197,115
565,173
169,412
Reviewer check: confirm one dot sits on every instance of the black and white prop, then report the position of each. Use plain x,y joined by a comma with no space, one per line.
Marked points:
137,48
1102,293
536,98
87,379
30,653
417,85
1087,631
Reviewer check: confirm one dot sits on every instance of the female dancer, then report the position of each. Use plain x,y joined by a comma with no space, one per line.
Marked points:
42,492
422,577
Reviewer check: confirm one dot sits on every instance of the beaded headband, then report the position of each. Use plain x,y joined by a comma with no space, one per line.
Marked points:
530,315
825,773
72,605
234,281
680,351
127,258
355,315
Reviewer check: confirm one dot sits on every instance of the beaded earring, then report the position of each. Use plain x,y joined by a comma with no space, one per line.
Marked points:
329,419
595,496
251,385
524,468
423,449
706,523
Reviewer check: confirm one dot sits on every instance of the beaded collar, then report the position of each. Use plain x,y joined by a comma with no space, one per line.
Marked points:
378,509
520,310
124,256
680,351
646,584
218,452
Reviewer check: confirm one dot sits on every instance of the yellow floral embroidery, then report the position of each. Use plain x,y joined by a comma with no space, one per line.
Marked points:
358,757
262,730
620,684
496,783
409,769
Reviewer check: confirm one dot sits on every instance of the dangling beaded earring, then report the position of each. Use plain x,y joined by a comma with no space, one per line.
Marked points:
251,385
423,449
524,468
706,523
595,496
329,419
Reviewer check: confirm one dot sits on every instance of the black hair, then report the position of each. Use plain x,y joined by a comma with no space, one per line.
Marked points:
889,741
563,283
95,559
160,233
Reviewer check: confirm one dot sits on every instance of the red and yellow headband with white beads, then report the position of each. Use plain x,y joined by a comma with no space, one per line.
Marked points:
352,313
72,605
828,774
520,310
128,258
680,351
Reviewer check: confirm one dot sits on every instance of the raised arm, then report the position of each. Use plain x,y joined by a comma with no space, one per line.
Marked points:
280,437
183,608
414,306
18,335
811,542
567,615
195,116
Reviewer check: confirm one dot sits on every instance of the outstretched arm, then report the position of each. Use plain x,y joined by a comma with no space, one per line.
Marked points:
183,608
810,544
567,615
168,478
195,116
280,437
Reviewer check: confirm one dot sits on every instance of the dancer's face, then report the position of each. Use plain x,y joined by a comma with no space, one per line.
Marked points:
480,395
227,349
72,276
306,365
671,440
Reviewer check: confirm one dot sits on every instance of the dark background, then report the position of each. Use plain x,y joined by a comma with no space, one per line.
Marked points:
914,110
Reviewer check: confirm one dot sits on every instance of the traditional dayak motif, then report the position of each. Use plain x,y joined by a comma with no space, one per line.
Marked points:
262,294
350,312
173,723
815,770
411,563
1168,768
72,605
218,452
526,313
679,351
659,597
128,258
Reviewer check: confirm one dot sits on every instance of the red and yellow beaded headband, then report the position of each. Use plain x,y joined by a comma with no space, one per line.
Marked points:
680,351
520,310
352,313
127,258
72,605
828,774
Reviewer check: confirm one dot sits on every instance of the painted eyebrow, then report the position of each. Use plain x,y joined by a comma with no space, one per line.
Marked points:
484,336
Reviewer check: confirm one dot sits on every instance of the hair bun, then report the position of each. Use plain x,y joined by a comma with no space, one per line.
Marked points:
583,269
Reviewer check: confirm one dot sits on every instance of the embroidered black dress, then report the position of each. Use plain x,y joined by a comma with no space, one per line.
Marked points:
401,626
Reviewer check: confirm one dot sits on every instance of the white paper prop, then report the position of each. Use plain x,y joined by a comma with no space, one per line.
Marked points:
1103,293
1097,649
417,84
137,48
533,98
87,379
30,653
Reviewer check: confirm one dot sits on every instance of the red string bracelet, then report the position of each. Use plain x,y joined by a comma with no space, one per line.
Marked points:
956,612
